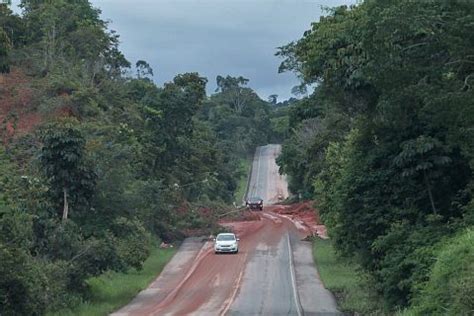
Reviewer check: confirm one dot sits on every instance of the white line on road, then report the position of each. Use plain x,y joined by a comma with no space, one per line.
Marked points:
293,279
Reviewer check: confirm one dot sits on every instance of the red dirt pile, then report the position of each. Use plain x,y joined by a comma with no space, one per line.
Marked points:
242,215
304,215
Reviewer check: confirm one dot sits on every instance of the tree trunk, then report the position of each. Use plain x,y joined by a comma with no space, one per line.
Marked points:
430,194
66,206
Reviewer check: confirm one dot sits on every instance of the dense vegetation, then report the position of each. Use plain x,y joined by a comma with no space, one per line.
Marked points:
96,161
385,144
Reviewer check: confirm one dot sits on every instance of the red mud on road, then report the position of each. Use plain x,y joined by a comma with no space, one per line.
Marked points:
212,281
304,216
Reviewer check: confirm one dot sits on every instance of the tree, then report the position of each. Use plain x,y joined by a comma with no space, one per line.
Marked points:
63,158
143,69
170,121
422,156
4,51
273,99
234,91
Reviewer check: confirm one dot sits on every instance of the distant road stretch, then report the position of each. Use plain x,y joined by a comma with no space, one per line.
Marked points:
273,273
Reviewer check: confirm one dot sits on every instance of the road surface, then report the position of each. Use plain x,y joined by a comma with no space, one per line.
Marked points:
273,274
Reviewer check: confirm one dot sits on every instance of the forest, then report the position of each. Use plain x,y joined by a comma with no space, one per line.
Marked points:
385,145
97,161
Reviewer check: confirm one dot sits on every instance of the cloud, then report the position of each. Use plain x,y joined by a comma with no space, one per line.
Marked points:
213,37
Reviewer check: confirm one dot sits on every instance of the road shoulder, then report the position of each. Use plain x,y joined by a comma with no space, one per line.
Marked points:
314,298
159,289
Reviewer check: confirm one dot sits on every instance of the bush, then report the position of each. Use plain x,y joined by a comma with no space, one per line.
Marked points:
402,265
132,242
28,284
450,288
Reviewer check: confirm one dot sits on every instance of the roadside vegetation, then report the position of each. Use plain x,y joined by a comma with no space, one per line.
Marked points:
351,286
244,166
449,289
113,290
385,145
97,161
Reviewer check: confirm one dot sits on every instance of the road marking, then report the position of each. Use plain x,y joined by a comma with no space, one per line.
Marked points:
236,288
293,279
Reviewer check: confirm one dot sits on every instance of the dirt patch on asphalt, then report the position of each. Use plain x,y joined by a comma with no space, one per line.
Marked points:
304,216
207,285
248,223
244,215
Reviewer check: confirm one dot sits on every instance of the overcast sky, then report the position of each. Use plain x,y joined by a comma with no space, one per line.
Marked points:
213,37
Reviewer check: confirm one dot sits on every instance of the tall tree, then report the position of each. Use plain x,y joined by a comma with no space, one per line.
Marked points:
4,51
237,95
64,162
143,69
170,120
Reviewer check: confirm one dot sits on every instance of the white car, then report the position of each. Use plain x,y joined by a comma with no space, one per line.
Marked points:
226,242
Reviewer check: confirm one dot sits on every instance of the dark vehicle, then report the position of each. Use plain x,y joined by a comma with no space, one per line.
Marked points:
254,203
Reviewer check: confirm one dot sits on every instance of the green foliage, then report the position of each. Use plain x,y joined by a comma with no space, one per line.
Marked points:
244,170
382,143
64,31
112,290
30,284
132,242
4,51
238,116
450,287
65,165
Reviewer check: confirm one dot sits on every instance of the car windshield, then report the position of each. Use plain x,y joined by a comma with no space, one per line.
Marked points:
225,237
255,199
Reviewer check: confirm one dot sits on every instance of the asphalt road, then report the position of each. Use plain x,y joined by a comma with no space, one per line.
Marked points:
265,180
269,285
280,277
273,273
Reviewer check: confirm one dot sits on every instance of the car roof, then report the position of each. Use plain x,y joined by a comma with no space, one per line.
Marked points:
221,234
255,198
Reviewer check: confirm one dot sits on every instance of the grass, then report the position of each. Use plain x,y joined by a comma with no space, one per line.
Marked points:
244,166
112,290
350,285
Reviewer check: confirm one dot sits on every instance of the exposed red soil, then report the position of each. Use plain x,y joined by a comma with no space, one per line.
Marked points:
17,115
304,216
244,227
242,216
